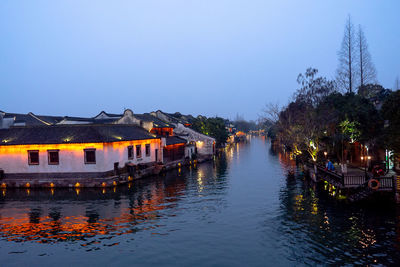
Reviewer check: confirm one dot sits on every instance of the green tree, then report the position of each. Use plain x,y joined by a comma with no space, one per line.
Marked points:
214,127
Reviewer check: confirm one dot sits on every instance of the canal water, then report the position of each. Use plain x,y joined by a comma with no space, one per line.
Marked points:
242,209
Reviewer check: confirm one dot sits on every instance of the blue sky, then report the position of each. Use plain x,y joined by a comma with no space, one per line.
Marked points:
199,57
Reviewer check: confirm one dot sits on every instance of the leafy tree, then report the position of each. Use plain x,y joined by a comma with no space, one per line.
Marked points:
214,127
375,93
313,89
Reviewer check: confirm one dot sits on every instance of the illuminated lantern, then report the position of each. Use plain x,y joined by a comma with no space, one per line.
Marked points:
3,185
28,185
114,182
77,185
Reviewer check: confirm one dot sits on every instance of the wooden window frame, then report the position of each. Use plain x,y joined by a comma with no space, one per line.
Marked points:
139,155
90,150
58,156
148,147
132,156
29,157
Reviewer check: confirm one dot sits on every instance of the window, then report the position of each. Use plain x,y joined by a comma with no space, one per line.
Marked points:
147,150
53,157
90,156
138,151
33,157
130,152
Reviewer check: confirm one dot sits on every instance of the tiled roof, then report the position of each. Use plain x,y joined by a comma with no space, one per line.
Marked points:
180,118
62,134
156,121
27,118
172,140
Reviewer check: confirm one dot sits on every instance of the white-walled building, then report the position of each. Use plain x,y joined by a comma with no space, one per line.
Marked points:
75,151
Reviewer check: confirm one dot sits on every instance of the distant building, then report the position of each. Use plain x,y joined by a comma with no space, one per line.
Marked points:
197,143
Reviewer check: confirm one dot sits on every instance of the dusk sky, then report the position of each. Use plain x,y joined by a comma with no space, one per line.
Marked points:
198,57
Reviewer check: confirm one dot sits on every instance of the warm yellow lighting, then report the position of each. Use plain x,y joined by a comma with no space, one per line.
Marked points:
369,157
77,185
130,178
3,192
129,185
179,164
190,162
52,191
118,137
3,185
114,189
325,153
362,158
114,183
103,191
103,184
28,192
77,190
27,185
51,185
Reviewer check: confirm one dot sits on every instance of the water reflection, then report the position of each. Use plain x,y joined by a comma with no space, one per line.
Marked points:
240,209
92,215
324,231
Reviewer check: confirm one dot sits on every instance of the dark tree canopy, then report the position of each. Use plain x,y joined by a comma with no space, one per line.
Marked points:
214,127
391,113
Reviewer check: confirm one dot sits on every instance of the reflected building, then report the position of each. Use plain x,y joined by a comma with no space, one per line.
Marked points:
56,215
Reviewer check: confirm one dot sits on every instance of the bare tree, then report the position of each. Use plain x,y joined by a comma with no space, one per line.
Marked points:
271,112
347,58
396,84
366,69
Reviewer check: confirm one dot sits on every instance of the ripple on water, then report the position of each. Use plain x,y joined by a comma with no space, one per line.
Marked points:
242,209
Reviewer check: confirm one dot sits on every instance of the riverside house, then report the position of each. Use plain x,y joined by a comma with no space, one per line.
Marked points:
74,155
107,149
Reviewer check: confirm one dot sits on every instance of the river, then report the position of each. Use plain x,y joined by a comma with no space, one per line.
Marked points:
242,209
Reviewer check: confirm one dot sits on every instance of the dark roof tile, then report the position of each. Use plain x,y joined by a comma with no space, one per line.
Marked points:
172,140
61,134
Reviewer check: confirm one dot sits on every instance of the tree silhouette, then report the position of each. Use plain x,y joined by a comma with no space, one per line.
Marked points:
366,69
347,57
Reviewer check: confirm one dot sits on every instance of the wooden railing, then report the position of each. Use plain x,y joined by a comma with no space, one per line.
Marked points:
386,183
353,180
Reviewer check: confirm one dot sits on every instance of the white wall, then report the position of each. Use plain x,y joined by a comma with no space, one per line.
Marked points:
14,159
204,143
